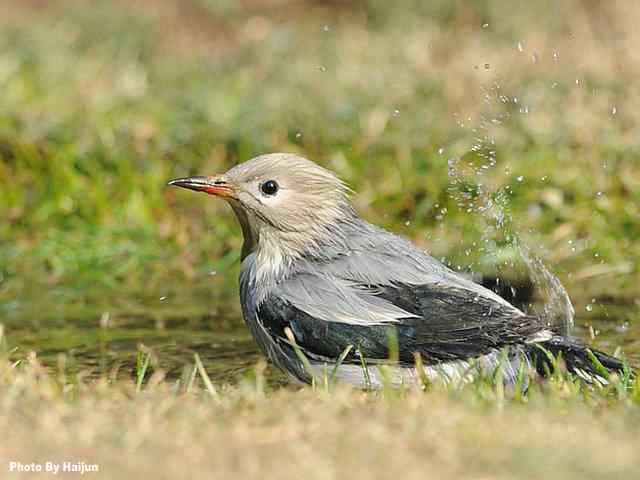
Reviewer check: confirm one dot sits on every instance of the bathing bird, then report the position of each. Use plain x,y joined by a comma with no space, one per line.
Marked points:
322,290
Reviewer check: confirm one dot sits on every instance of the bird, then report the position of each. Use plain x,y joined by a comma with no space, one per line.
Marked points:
323,290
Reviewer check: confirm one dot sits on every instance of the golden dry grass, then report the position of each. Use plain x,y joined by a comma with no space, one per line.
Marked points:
558,432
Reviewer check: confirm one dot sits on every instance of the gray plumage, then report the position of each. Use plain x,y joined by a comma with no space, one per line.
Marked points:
312,265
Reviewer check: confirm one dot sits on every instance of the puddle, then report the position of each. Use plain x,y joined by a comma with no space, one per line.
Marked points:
101,340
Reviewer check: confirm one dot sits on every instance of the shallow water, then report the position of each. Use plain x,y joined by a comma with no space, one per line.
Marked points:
102,336
102,333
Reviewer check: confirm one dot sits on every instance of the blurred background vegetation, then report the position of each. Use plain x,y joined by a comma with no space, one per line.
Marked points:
103,102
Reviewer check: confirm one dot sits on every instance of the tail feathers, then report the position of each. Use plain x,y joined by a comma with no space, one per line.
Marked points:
591,366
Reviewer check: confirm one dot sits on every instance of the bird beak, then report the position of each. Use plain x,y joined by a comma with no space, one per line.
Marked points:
214,185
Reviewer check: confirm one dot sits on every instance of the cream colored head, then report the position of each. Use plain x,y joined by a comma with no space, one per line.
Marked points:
283,201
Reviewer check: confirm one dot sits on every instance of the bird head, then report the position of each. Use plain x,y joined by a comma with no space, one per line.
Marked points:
280,199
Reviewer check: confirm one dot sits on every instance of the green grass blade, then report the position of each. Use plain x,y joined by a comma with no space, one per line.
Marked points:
425,381
365,371
142,364
601,369
339,361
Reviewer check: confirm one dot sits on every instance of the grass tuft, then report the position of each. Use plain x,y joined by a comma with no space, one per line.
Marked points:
142,364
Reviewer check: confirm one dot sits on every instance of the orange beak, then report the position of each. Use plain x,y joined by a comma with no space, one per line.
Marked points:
214,185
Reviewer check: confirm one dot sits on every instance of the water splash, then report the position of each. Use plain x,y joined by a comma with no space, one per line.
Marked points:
472,188
558,311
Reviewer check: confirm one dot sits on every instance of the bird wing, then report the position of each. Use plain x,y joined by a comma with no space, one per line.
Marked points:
369,298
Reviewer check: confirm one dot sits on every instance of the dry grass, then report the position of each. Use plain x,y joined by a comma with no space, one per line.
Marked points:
163,431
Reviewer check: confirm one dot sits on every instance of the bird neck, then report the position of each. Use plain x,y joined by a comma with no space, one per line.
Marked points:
278,252
250,234
273,252
283,253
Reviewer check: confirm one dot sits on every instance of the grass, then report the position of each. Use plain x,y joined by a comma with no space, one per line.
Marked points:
103,104
183,429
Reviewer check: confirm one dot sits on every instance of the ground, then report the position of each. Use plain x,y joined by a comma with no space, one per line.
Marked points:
164,430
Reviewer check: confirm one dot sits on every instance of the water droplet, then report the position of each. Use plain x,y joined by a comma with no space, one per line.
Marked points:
556,56
520,178
213,273
485,25
440,151
299,135
520,47
623,327
598,194
487,66
534,57
163,298
322,68
614,110
396,113
588,308
326,28
577,81
407,223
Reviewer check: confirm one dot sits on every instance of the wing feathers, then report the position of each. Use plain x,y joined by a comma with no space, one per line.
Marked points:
336,300
441,325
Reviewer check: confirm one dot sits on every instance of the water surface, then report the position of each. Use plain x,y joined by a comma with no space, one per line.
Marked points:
102,336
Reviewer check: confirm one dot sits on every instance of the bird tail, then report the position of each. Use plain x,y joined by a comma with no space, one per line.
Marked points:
591,366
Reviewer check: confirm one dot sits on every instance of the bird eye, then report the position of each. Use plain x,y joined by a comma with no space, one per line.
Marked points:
270,187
